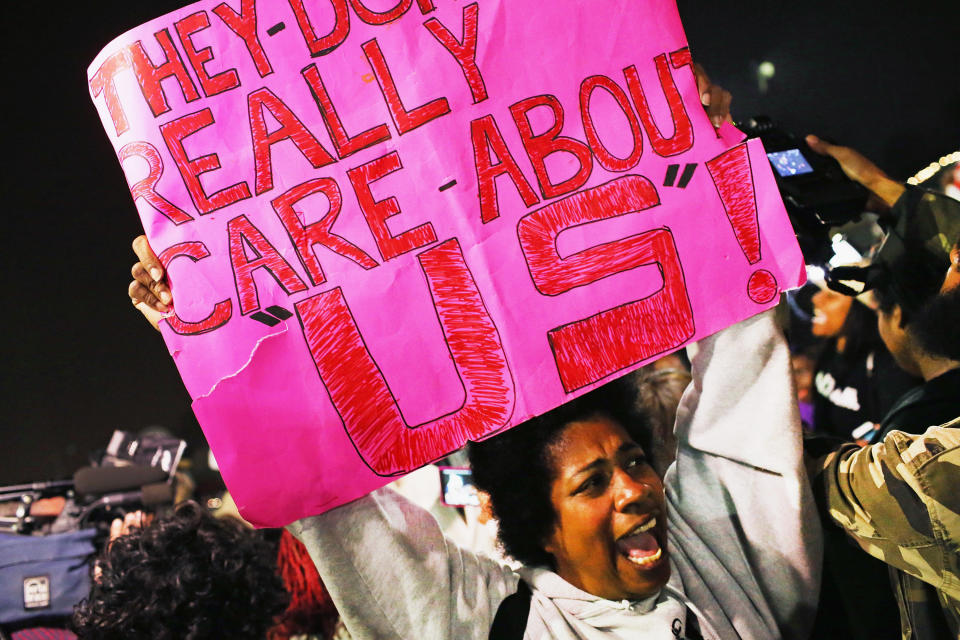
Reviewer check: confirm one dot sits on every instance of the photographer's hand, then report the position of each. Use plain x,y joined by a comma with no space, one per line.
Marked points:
860,169
121,527
131,521
149,292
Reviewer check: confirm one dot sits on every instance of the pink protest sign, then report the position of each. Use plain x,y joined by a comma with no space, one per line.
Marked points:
393,227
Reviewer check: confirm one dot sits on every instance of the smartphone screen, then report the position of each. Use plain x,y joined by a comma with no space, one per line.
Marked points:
457,488
789,163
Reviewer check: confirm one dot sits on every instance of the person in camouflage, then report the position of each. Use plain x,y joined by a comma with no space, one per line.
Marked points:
899,499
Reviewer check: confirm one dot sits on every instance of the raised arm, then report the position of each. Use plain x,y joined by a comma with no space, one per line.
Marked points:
860,169
743,508
392,574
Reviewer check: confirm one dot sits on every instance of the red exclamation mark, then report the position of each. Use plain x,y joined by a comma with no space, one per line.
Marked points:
733,178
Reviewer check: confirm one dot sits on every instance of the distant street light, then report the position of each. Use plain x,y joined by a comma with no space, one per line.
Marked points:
765,71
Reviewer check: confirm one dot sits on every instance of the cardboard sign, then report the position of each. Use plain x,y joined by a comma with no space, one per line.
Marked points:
393,226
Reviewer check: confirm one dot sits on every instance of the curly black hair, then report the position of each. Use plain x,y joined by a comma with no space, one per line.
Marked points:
935,325
186,576
516,469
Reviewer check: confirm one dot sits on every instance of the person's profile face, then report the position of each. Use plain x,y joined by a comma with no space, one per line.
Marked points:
610,539
830,310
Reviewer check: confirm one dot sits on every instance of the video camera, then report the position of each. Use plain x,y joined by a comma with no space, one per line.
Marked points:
815,190
133,472
50,530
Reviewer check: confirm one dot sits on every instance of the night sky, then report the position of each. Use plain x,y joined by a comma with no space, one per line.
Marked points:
80,362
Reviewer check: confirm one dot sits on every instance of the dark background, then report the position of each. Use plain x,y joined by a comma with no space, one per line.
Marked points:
78,360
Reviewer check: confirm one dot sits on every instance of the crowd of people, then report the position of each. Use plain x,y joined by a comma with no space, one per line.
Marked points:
633,512
685,500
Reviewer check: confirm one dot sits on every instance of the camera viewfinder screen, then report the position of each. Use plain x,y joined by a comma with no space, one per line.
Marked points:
789,163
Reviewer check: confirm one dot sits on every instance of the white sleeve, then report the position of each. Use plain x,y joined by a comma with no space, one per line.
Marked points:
392,574
742,403
739,485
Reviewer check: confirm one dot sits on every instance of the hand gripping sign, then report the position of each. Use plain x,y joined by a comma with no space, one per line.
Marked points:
395,226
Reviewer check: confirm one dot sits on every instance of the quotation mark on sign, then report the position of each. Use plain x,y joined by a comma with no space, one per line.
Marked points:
684,178
279,313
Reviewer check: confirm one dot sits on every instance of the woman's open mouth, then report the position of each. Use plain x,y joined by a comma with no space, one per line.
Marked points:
640,545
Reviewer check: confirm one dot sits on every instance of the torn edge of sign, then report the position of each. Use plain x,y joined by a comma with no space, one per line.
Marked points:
730,134
253,353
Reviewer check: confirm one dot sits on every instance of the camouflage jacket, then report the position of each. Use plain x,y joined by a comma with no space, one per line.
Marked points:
899,500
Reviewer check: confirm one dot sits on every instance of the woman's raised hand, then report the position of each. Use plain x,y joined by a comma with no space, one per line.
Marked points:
149,292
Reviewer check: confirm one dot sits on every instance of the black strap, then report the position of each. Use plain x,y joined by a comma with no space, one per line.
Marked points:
511,619
692,631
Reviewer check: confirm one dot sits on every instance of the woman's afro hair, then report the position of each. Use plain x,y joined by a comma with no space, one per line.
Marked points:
515,467
186,576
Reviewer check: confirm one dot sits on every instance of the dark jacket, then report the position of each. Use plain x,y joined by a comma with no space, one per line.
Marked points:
934,402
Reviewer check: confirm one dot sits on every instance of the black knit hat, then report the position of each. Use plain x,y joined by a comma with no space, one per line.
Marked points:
910,265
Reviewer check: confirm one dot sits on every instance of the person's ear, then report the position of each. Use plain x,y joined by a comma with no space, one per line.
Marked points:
952,279
486,508
896,316
549,543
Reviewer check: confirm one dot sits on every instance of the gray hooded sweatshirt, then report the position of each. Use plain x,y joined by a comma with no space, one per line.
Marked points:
743,535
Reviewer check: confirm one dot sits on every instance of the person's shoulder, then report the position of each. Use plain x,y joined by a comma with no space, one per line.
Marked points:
937,445
919,408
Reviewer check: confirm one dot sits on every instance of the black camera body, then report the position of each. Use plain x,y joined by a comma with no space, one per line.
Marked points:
815,191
